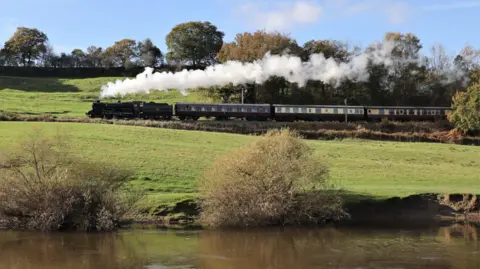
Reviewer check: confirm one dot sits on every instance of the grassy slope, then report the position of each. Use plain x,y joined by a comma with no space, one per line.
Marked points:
168,162
71,97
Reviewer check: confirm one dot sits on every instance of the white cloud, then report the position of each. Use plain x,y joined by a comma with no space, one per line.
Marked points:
296,13
272,15
283,16
397,13
455,5
394,11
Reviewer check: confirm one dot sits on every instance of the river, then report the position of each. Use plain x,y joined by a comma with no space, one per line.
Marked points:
456,246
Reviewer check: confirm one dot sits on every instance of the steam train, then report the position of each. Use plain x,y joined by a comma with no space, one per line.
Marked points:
263,112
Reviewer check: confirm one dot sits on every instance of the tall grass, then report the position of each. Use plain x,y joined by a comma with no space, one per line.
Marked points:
44,187
274,180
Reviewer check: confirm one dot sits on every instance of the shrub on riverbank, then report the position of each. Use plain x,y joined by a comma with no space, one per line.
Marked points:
45,188
274,180
466,114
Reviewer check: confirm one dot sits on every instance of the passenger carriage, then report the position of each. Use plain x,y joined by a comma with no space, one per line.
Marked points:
223,111
318,112
405,113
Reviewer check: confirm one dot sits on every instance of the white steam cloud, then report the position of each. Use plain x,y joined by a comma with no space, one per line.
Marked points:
290,67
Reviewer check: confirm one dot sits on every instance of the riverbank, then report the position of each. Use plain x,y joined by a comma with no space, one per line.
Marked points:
432,132
168,163
426,209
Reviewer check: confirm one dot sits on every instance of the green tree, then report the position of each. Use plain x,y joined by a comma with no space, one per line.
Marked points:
194,42
441,81
150,55
65,60
27,43
468,59
407,77
94,56
78,58
466,106
329,48
318,91
48,58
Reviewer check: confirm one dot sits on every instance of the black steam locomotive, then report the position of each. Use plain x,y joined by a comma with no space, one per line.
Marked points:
263,112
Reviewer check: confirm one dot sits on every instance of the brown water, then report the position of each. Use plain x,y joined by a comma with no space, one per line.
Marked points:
456,246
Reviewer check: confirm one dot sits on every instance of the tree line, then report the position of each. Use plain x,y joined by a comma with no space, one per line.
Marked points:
199,44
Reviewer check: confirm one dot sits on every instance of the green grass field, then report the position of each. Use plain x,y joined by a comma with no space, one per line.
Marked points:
69,97
167,163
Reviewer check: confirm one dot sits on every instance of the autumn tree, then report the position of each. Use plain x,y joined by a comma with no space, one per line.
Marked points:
249,47
150,55
195,43
27,44
122,53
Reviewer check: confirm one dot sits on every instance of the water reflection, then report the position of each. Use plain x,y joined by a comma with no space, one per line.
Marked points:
456,246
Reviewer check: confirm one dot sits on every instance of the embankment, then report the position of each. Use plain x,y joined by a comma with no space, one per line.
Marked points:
419,210
434,132
416,209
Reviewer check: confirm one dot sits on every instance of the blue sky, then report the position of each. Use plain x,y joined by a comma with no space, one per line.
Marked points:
79,23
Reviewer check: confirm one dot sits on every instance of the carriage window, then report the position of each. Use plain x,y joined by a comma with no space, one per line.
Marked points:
234,109
193,108
223,109
203,109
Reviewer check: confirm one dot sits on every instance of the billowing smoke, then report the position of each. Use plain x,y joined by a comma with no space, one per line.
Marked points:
318,68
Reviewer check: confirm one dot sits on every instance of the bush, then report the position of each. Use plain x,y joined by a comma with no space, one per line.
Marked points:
466,114
275,180
43,187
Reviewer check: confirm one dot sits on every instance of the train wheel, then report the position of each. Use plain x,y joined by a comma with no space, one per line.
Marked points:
195,118
182,117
